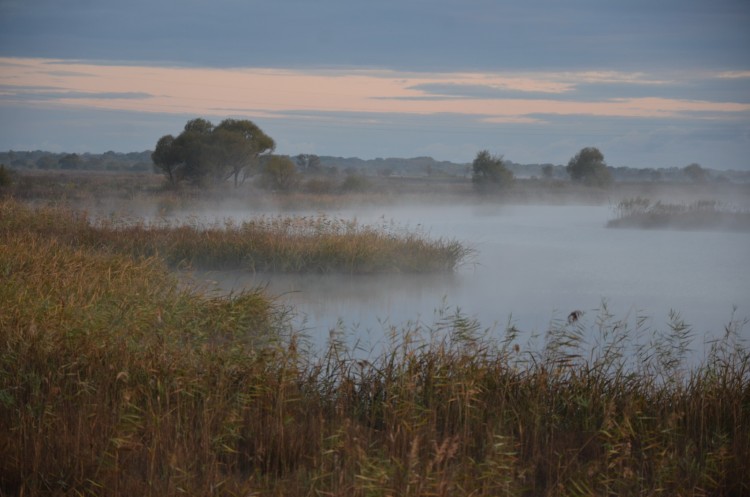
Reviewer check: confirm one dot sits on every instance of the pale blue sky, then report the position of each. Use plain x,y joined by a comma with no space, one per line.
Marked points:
652,84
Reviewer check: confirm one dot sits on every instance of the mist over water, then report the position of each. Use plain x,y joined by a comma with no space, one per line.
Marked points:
534,265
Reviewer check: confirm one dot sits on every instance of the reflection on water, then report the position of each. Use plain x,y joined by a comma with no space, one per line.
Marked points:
534,264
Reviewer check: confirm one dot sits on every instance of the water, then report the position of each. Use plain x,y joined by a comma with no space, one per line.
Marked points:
534,265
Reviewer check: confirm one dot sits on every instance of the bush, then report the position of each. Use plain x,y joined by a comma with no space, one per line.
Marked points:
355,183
319,186
5,177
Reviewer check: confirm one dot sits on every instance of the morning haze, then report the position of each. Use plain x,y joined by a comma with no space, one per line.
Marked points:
388,248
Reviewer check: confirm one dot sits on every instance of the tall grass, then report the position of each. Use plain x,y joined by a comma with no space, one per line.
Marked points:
281,244
112,380
641,212
115,381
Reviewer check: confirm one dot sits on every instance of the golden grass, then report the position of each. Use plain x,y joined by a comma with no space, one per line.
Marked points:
272,244
115,381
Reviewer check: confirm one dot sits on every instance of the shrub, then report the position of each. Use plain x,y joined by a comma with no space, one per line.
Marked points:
5,177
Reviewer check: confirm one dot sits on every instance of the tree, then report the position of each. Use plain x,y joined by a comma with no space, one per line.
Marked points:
309,163
204,152
548,171
194,148
354,182
695,172
238,145
279,174
588,167
489,172
71,161
47,162
167,158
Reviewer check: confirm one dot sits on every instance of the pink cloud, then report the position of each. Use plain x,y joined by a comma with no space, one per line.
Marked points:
265,92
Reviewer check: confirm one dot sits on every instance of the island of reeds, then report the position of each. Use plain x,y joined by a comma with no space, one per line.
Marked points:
115,380
704,215
263,243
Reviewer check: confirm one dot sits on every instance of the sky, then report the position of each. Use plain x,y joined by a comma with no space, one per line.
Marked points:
650,83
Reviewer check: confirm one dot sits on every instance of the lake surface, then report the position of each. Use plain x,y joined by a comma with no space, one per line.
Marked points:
534,265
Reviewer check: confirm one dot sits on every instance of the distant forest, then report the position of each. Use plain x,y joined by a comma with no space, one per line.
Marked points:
140,162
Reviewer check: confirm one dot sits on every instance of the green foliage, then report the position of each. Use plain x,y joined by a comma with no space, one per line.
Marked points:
207,153
107,161
71,161
588,167
167,158
309,163
5,177
354,182
47,162
239,144
490,172
279,174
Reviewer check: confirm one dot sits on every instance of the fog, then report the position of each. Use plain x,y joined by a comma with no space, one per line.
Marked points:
534,264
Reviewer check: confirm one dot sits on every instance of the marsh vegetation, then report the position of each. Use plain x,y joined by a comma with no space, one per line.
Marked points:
117,379
641,212
279,244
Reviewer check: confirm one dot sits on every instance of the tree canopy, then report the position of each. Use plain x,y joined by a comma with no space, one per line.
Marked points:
204,152
279,174
588,167
489,172
695,172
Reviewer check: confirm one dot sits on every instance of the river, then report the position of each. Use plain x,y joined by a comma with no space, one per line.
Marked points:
534,264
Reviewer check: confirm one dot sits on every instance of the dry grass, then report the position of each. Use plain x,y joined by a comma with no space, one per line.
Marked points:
114,381
273,244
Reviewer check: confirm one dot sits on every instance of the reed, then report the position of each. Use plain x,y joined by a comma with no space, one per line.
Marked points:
115,380
264,243
641,212
106,368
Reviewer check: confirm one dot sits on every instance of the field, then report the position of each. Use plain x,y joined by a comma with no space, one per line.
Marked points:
115,379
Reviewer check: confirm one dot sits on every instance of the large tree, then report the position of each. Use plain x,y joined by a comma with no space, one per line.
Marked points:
489,172
204,152
588,167
187,156
238,145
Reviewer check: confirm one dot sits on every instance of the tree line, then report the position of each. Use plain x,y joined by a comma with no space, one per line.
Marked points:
235,150
490,172
49,161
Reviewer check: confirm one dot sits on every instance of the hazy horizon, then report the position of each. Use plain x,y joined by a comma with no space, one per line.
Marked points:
651,85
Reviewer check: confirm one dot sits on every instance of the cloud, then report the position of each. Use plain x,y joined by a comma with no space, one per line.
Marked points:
445,91
51,93
268,91
734,74
528,116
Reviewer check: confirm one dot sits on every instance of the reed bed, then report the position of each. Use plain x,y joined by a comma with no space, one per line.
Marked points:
116,381
640,212
264,243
